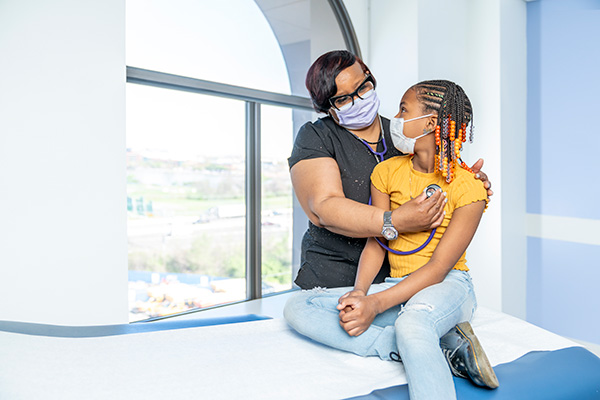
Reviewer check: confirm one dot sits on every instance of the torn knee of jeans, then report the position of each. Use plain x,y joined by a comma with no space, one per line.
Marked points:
317,289
416,307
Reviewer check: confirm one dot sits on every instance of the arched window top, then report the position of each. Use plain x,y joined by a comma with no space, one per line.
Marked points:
260,44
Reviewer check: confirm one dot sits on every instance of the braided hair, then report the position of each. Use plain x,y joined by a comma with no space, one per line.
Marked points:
454,109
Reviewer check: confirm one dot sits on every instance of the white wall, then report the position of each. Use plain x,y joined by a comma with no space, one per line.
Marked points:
63,241
481,46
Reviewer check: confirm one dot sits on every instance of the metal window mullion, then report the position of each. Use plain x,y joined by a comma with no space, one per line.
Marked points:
345,24
182,83
253,202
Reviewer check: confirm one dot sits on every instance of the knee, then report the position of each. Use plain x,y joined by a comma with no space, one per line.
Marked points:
414,321
293,307
302,305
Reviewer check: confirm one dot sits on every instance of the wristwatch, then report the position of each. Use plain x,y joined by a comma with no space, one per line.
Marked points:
388,231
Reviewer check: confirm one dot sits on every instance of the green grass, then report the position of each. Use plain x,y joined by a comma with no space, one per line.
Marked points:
184,204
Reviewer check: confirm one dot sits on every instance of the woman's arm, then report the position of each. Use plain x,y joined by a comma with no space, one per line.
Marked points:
318,187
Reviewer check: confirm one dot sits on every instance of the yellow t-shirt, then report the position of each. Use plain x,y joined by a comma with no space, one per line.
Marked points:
397,177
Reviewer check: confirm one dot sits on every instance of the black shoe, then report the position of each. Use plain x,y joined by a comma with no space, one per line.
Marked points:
466,356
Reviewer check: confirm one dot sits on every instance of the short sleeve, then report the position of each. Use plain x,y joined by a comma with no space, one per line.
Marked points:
380,177
467,189
310,143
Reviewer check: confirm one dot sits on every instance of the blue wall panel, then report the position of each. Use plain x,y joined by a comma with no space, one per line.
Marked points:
563,281
563,149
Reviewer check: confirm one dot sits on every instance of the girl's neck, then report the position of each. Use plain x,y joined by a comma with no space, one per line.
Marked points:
424,161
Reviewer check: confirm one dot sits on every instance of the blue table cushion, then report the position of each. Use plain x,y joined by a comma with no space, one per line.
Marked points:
567,374
124,329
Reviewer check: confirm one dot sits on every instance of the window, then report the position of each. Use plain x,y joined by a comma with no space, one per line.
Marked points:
211,214
186,200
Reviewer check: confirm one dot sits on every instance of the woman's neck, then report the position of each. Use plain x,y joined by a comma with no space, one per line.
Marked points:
371,133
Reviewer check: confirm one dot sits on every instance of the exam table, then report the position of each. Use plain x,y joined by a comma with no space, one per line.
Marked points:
256,357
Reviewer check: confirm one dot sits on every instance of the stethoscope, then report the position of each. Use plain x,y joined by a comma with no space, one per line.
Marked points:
429,190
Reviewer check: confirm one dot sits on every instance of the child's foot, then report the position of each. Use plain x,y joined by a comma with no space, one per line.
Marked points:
466,356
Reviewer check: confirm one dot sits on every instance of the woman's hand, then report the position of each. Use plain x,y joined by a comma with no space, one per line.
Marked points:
476,168
357,312
421,213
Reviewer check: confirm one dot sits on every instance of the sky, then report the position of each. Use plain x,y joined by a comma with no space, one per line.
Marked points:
223,41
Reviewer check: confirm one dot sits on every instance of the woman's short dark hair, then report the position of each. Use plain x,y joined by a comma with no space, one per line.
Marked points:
320,78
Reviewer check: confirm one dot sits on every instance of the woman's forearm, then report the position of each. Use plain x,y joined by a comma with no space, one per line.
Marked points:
318,187
348,217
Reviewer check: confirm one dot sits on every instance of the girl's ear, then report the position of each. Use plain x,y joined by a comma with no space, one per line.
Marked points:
431,123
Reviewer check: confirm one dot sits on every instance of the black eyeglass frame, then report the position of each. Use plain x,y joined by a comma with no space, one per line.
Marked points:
368,78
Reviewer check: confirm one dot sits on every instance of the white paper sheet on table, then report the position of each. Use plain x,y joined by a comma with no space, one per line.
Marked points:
251,360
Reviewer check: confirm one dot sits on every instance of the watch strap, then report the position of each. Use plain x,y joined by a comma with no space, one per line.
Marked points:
387,219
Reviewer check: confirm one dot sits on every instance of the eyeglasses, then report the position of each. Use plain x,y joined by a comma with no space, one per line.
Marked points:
340,101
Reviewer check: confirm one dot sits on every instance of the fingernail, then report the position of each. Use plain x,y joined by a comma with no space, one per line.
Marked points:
445,201
445,194
476,175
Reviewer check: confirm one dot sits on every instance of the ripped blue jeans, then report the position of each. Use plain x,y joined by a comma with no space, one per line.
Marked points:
412,329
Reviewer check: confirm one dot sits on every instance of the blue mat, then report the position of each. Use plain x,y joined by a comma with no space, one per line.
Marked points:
124,329
567,374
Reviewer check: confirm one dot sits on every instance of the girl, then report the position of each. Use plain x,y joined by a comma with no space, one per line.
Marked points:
430,290
330,166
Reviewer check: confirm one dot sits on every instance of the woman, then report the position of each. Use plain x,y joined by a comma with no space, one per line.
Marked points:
331,165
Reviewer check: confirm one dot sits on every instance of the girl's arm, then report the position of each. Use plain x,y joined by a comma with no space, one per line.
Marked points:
455,241
356,309
318,186
457,237
356,301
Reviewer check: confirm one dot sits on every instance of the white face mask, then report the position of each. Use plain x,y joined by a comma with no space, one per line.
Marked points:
401,142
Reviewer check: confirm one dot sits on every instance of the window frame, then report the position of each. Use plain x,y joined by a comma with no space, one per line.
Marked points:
253,98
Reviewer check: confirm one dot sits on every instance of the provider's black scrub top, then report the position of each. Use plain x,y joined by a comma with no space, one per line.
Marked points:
329,259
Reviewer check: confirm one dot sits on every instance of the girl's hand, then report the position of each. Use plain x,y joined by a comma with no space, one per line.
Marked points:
357,313
482,176
355,292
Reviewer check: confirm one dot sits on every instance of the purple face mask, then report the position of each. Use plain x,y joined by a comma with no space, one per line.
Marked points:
360,114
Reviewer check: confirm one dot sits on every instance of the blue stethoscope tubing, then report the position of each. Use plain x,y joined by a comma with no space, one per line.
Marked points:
409,252
398,252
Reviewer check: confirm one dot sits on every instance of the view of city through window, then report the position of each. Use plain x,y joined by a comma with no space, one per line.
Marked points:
186,203
186,159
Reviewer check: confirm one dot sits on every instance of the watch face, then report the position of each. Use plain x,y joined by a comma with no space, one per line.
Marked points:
389,233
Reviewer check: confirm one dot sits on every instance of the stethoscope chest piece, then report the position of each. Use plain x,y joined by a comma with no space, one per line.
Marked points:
430,190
